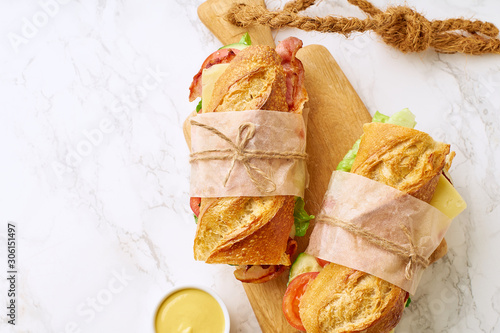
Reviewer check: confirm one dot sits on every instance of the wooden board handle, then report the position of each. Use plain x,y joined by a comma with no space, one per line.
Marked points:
212,14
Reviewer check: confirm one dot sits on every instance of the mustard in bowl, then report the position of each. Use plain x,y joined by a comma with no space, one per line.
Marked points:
191,309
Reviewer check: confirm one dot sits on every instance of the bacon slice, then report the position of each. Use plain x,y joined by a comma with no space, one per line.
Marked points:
291,247
221,56
258,273
296,94
264,273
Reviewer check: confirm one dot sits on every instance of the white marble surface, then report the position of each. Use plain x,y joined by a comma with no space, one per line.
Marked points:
94,167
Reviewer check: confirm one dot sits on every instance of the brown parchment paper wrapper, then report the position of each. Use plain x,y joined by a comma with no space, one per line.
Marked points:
275,133
379,210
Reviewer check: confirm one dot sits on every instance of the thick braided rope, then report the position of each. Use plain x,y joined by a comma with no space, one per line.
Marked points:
238,152
400,27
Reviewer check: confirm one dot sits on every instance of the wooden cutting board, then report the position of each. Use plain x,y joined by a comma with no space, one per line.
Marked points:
335,122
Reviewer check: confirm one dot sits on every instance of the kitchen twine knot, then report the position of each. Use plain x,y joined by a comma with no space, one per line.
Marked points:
246,131
400,26
242,140
385,244
239,152
413,257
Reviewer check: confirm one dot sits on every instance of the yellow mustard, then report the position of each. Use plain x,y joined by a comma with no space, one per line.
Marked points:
189,311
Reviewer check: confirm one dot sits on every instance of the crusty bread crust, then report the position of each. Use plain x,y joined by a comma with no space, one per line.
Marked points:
404,158
230,220
254,80
247,230
341,299
265,245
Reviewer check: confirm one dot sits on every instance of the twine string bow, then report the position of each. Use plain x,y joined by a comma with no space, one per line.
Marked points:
413,257
239,152
399,26
409,253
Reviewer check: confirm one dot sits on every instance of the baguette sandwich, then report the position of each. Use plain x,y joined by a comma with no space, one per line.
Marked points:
250,232
327,297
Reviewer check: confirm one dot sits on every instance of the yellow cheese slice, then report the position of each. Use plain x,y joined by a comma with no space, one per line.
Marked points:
208,79
447,199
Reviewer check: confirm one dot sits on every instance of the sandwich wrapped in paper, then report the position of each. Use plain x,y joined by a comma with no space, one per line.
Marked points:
248,157
374,228
377,230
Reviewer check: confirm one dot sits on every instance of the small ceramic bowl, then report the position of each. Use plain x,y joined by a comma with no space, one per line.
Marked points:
202,288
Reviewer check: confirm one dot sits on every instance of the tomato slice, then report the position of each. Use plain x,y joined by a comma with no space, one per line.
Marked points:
292,297
322,262
195,205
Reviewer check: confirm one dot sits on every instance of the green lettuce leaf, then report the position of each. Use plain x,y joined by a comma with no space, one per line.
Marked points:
408,301
402,118
301,218
245,39
379,118
198,107
347,162
244,42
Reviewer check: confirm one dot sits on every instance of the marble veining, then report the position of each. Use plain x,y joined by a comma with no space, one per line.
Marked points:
95,170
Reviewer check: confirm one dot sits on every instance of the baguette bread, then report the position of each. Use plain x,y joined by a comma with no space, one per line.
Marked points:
341,299
254,80
404,158
247,230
